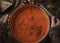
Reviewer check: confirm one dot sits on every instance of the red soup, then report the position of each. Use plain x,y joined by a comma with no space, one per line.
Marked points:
29,24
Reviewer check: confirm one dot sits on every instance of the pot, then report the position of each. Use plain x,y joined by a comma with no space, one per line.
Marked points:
29,23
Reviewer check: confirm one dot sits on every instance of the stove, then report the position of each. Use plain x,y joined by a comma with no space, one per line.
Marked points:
52,6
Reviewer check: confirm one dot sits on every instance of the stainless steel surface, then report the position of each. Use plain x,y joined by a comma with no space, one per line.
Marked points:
5,5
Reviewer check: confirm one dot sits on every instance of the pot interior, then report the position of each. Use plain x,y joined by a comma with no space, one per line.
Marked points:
29,24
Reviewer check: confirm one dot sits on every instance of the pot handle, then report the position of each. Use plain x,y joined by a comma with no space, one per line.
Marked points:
54,22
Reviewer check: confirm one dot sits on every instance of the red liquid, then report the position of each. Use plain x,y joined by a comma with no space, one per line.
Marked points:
29,24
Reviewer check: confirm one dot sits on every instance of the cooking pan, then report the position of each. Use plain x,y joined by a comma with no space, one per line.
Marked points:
29,23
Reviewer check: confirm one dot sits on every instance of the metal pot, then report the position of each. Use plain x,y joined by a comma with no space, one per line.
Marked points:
30,36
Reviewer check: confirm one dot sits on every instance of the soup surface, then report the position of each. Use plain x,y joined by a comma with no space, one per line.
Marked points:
29,24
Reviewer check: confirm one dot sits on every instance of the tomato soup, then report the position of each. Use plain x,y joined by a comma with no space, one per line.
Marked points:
29,24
